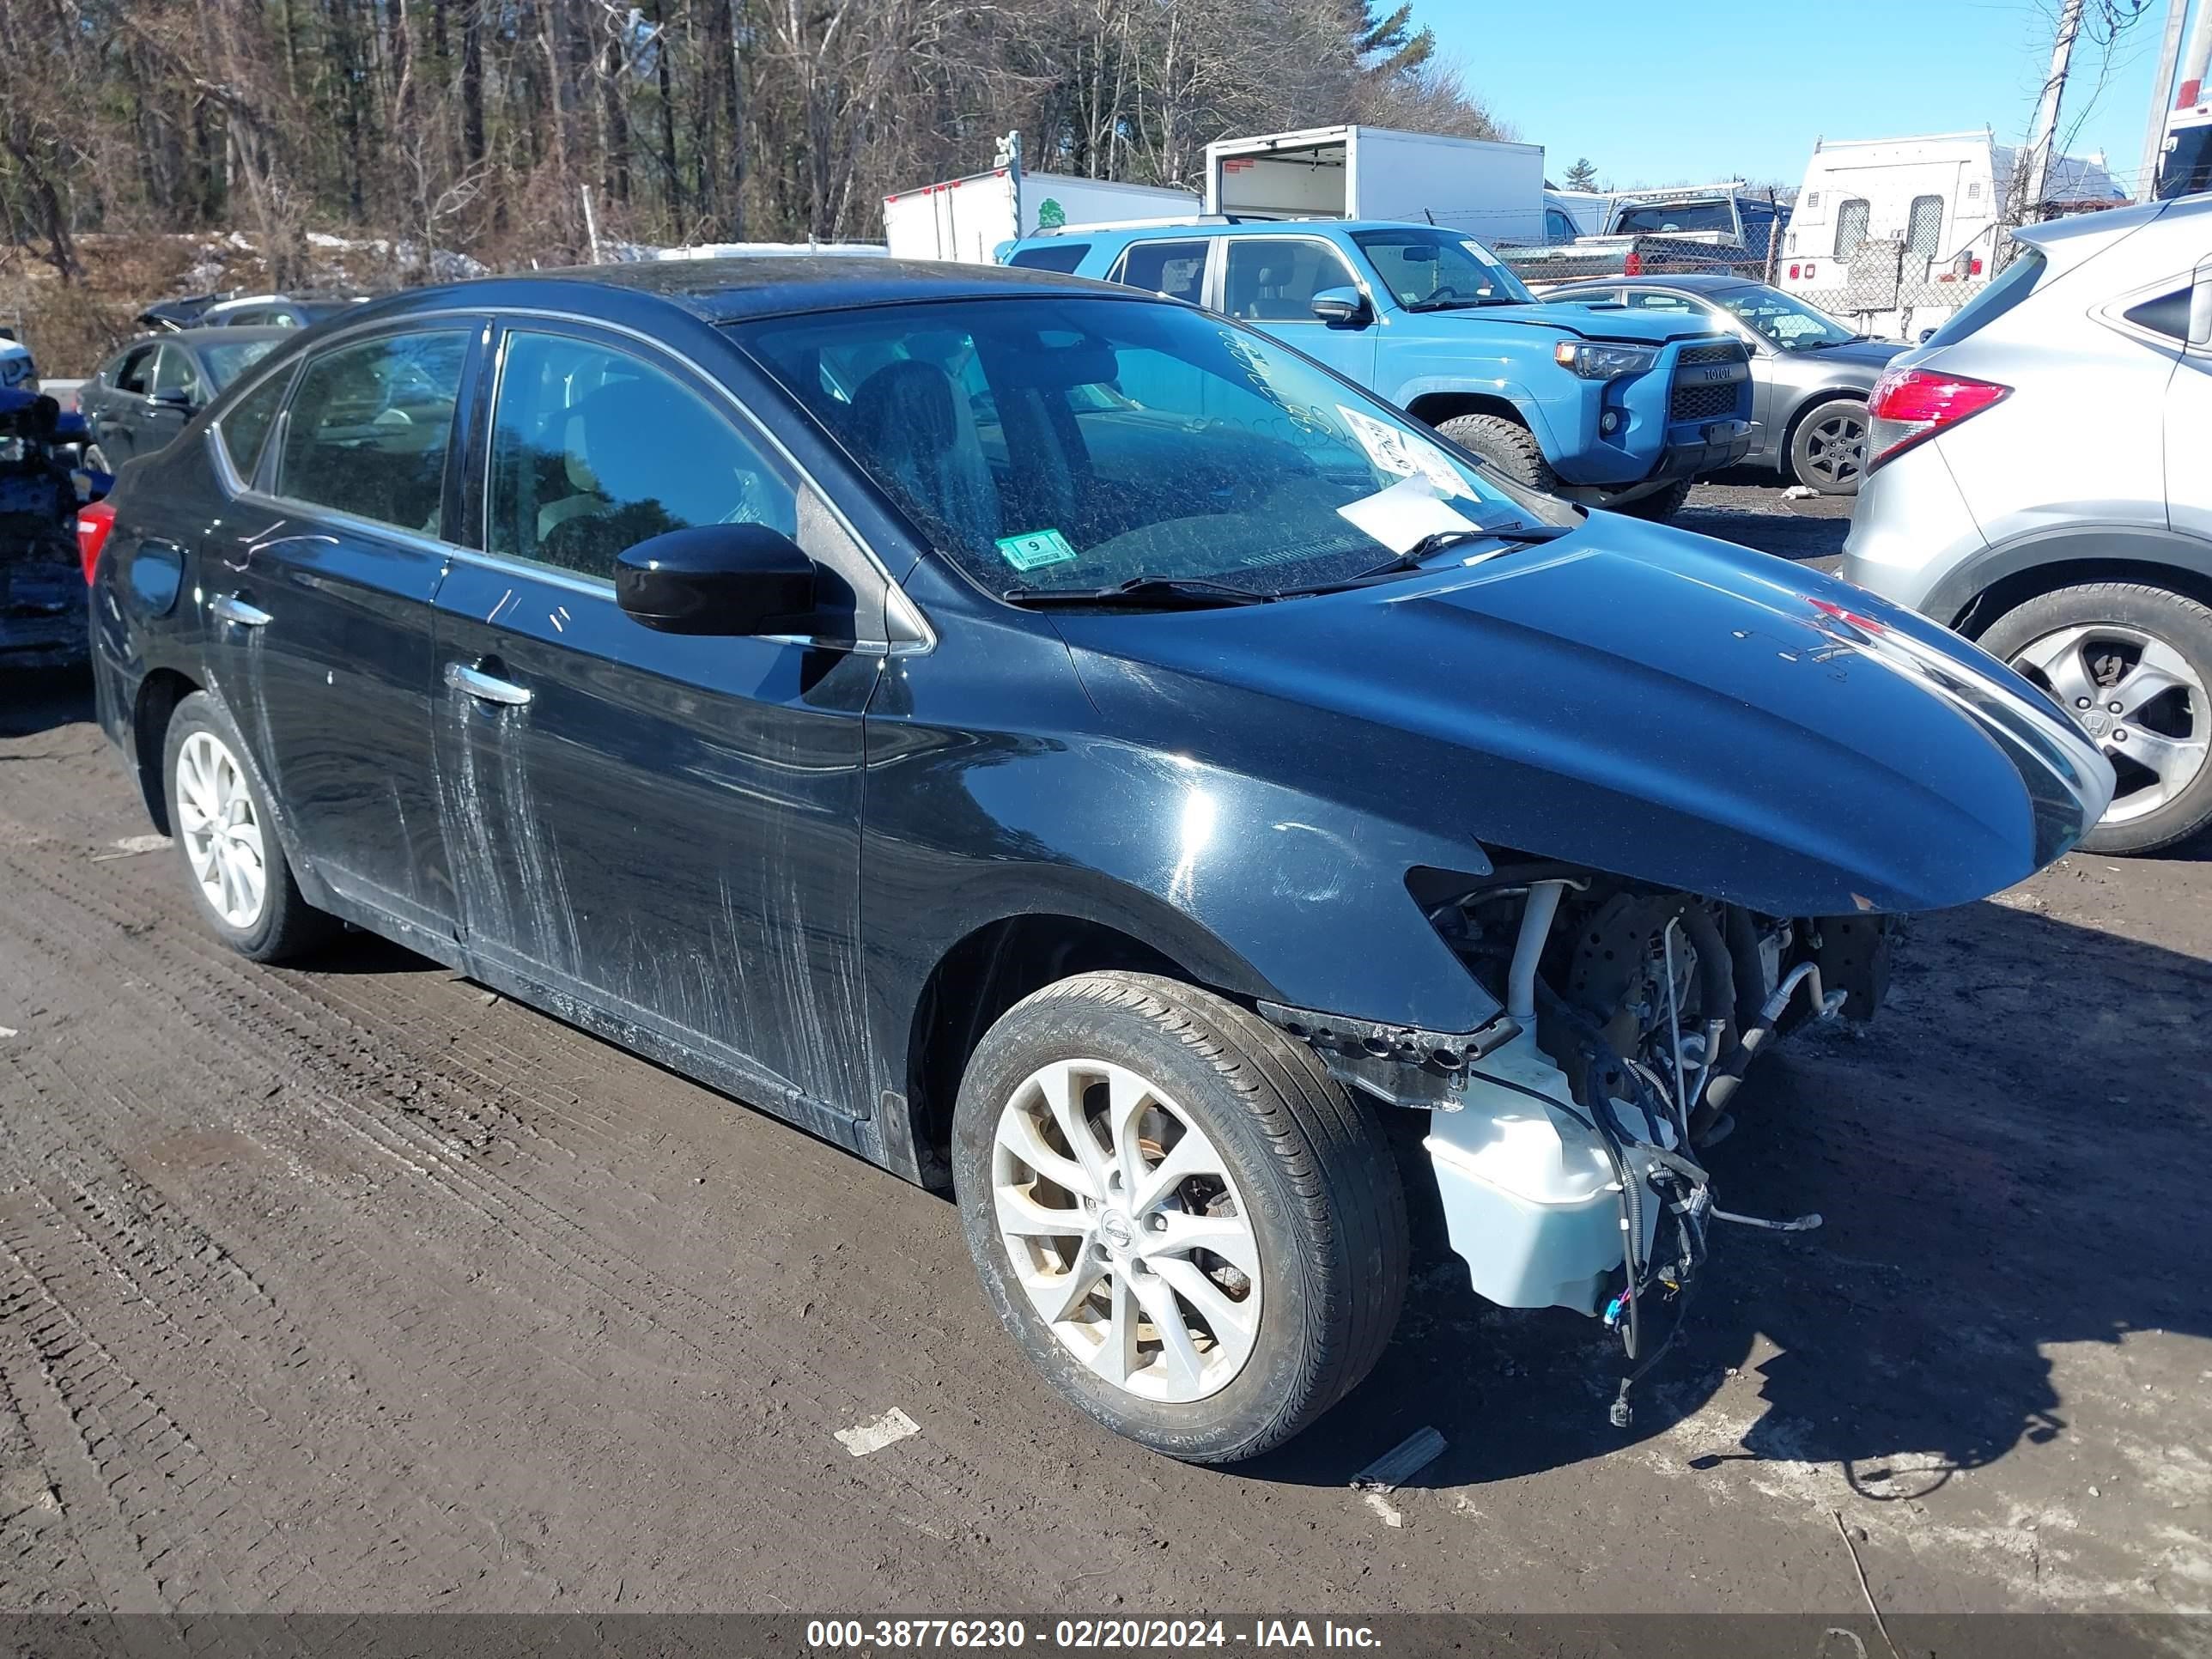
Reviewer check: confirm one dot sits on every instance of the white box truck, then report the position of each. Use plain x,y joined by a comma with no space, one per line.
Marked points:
967,219
1492,191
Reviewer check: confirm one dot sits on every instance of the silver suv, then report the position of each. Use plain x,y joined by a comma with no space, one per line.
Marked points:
2040,478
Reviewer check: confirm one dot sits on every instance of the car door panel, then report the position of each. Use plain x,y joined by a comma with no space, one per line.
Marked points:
1269,281
661,827
333,686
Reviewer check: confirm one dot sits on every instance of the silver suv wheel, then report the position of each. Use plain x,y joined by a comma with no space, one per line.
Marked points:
221,831
2142,702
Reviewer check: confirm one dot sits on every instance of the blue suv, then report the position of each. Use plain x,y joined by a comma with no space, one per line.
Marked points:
1603,405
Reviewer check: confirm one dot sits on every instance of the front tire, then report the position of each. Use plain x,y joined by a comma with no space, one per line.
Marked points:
1188,1227
1827,452
2132,663
1660,505
233,856
1507,445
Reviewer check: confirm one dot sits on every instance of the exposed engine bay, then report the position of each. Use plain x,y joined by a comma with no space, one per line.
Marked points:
1567,1136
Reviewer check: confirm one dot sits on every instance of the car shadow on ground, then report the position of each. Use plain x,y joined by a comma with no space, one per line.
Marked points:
38,700
2001,1170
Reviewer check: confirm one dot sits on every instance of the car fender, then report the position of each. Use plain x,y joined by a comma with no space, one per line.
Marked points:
2084,545
1471,382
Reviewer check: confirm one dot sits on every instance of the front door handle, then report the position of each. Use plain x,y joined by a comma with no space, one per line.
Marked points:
477,684
228,607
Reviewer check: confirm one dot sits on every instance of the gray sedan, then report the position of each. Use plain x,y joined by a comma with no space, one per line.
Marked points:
1810,374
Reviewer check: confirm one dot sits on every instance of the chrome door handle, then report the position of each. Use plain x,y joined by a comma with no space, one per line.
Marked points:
228,607
462,678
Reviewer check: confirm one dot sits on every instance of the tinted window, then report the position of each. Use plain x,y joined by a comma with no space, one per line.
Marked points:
1062,257
1646,299
368,428
594,451
2167,314
245,422
1274,282
1558,227
135,372
1175,269
2017,283
1661,219
1850,226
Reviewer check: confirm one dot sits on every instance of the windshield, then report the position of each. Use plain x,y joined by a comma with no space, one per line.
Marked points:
1782,321
1663,218
1068,444
225,363
1434,270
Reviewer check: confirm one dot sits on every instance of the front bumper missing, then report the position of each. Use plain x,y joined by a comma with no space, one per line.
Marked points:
1404,1066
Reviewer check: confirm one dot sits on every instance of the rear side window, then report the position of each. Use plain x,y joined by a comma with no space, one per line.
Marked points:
1274,282
369,427
1175,269
2168,314
174,371
594,451
1062,257
245,423
1850,225
2017,283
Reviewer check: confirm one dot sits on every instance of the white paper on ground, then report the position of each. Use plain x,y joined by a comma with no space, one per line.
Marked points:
878,1432
1401,515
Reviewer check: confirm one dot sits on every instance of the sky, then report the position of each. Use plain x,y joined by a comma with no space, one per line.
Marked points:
1660,92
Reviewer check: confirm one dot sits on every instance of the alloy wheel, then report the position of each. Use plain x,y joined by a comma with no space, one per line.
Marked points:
221,833
1835,447
2141,701
1127,1230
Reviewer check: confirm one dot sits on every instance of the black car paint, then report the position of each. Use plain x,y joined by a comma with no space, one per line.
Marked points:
768,862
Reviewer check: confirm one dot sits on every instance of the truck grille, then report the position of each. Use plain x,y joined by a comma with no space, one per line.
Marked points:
1708,400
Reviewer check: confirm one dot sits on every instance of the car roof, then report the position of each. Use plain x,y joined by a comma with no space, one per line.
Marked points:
206,337
734,289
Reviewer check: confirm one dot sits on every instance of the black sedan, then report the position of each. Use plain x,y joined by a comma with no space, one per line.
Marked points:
1809,374
1071,750
141,397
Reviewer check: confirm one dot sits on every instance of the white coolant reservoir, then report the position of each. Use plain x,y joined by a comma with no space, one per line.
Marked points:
1529,1193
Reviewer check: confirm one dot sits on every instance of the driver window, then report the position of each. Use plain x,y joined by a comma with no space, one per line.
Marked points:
594,451
136,373
1274,282
172,371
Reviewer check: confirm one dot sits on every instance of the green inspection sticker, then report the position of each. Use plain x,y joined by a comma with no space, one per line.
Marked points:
1035,549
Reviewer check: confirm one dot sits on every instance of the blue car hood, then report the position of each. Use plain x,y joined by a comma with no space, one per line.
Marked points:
1642,700
1593,322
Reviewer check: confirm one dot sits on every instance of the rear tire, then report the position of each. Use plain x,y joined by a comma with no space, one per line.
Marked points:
1509,446
1660,505
1290,1176
2147,650
234,857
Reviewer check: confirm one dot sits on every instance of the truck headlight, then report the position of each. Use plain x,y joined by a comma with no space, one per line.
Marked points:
1604,363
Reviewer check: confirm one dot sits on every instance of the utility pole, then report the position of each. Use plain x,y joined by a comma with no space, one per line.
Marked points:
2037,162
2162,101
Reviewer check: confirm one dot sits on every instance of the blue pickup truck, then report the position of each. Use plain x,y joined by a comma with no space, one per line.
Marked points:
1604,406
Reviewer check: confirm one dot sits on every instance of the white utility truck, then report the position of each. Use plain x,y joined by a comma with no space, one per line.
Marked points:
1492,191
968,220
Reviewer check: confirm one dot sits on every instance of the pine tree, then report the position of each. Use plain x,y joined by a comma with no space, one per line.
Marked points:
1582,175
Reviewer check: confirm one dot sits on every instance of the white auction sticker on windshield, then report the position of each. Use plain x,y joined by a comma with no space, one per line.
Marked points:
1406,514
1400,452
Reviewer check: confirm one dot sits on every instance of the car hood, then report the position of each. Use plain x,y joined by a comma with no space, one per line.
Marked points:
1588,322
1636,699
1873,355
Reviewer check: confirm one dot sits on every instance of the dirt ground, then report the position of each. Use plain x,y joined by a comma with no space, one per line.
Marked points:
351,1287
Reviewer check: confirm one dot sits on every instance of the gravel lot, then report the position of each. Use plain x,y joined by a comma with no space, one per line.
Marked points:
352,1287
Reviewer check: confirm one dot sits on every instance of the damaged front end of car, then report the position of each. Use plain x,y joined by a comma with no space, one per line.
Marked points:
1566,1135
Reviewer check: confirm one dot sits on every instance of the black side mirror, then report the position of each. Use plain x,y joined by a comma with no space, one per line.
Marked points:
719,579
1341,306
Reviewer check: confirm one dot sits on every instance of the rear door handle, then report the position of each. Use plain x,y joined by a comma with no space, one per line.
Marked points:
477,684
228,607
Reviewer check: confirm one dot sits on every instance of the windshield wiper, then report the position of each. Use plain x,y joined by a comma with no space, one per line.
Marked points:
1149,592
1461,305
1436,542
